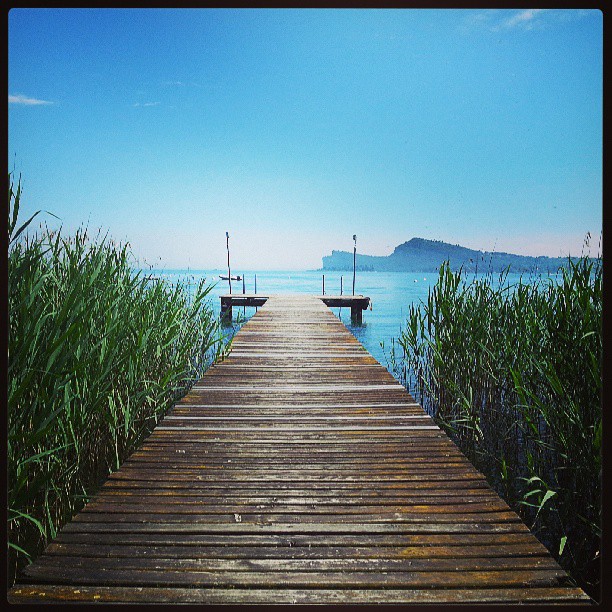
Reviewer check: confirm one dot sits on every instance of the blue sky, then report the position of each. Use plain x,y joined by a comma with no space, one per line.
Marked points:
295,129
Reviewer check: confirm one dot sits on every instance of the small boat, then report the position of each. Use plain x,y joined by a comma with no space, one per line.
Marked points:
236,278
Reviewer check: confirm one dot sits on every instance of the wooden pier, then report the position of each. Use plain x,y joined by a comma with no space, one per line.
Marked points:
298,470
357,303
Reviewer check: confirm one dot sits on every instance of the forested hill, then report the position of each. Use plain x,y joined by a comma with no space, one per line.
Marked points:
421,255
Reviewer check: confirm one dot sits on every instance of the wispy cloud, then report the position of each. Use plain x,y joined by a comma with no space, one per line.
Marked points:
496,20
178,83
19,99
146,104
525,19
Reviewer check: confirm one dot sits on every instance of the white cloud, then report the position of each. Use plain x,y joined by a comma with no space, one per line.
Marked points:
19,99
524,19
496,20
531,19
147,104
181,84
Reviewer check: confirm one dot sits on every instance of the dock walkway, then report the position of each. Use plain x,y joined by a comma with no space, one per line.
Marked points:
298,470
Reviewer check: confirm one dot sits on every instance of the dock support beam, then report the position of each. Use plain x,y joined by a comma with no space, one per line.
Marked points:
226,309
357,304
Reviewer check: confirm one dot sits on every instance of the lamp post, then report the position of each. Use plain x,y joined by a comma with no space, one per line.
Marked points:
354,260
229,271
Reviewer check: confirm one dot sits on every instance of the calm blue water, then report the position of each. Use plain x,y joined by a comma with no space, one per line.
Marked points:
391,294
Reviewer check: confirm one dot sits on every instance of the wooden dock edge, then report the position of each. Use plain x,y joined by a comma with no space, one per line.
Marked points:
357,303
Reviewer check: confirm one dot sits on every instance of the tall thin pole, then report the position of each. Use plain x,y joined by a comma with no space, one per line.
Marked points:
354,260
229,271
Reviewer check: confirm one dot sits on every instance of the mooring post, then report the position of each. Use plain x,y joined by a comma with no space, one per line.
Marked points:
256,290
324,284
354,262
356,316
226,310
341,285
243,292
229,271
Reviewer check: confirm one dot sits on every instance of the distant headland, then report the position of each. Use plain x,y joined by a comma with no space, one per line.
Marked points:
421,255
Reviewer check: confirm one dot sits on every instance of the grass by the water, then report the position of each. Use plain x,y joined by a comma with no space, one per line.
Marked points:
96,355
513,373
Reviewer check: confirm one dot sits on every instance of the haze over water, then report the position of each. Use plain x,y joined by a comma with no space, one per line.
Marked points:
391,294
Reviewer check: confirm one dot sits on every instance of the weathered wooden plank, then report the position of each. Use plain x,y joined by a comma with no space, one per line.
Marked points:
189,473
65,552
294,496
327,479
371,565
278,527
173,507
256,458
437,447
280,487
330,579
397,419
304,409
122,594
207,428
390,542
261,518
428,439
201,463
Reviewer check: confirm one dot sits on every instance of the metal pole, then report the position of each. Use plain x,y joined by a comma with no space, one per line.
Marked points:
229,271
354,260
340,285
256,290
243,292
324,284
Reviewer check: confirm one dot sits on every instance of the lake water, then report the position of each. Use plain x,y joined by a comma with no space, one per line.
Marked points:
391,294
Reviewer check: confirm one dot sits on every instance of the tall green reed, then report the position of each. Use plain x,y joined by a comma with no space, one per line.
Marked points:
513,373
97,354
